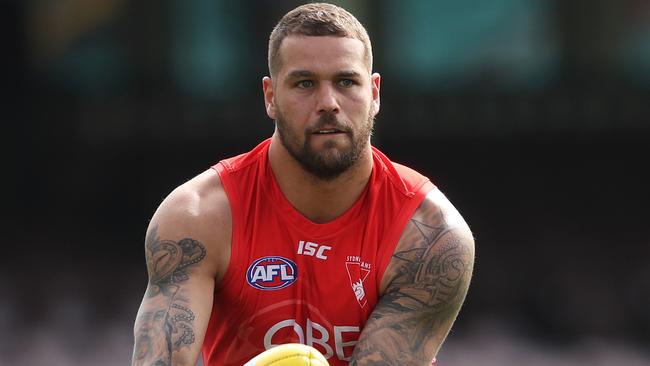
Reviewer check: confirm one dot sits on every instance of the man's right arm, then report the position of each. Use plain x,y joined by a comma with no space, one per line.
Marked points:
186,251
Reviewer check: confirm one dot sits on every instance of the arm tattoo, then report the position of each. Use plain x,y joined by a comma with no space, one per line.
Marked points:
423,299
167,323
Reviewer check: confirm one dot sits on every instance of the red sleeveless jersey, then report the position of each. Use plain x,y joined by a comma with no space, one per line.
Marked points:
292,280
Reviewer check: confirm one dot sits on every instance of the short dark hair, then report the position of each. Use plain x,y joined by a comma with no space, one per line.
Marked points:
317,19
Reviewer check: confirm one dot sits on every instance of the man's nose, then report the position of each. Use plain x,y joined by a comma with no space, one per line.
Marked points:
327,99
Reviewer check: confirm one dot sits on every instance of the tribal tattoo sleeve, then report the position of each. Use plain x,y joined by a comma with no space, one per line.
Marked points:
165,322
431,268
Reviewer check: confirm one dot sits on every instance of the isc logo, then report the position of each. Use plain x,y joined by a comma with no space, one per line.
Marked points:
313,249
271,273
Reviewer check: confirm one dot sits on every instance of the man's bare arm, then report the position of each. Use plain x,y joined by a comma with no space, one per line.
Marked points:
183,268
166,322
428,278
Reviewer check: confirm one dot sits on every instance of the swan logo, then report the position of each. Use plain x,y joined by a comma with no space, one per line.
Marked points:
272,273
358,271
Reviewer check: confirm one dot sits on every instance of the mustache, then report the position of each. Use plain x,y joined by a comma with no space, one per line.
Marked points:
329,119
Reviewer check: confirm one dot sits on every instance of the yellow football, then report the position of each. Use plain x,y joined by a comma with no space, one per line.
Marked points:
289,354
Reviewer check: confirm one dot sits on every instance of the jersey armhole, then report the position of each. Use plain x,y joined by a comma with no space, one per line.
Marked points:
223,169
389,243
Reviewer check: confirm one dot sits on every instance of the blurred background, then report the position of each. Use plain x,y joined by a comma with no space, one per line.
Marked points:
533,116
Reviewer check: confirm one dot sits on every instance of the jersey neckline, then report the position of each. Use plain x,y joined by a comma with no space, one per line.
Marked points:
315,230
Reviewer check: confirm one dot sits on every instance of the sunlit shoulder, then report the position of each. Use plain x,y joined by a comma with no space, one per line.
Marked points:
198,209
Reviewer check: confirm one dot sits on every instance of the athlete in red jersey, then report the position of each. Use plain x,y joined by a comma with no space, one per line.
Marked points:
317,283
314,236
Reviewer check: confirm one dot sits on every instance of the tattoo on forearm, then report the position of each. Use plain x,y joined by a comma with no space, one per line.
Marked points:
433,273
166,325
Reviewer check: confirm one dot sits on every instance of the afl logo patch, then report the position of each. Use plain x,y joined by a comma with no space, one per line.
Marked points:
272,273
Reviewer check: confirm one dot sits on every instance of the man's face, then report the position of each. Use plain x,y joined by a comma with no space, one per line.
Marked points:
324,101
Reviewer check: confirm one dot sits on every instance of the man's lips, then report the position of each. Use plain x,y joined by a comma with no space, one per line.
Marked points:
327,132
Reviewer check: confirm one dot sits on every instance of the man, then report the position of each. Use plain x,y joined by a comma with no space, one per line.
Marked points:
312,237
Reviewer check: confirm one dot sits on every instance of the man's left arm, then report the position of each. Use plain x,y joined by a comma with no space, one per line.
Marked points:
423,287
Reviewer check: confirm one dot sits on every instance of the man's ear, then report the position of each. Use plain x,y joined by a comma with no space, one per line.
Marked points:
269,97
376,83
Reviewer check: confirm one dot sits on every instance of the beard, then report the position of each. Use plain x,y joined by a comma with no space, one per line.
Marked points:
335,160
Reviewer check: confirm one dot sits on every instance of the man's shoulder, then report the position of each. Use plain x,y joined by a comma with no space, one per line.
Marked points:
436,209
201,198
199,205
437,217
198,210
435,227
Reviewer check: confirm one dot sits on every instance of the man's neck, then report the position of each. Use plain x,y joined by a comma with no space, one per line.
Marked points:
318,200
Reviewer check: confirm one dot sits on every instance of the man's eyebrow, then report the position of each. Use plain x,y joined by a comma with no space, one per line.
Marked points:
348,74
301,74
296,74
